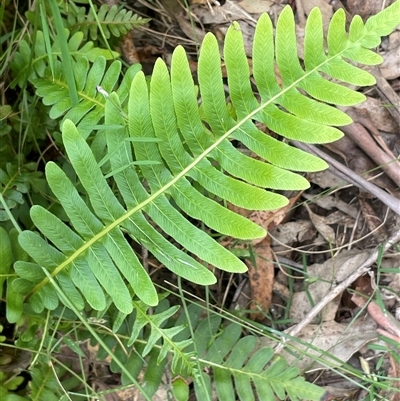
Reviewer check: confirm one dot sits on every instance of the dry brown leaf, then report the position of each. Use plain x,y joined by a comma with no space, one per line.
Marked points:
394,40
374,223
128,49
261,274
339,340
324,277
328,202
326,179
266,219
390,68
363,137
293,231
224,14
358,161
190,29
394,372
378,113
364,8
261,277
338,218
256,6
326,231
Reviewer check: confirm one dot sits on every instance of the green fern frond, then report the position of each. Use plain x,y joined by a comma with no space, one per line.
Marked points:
146,343
44,384
31,62
181,360
240,371
90,109
194,167
115,21
15,181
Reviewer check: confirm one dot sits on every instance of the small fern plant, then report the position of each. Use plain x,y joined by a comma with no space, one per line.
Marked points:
218,357
176,143
115,21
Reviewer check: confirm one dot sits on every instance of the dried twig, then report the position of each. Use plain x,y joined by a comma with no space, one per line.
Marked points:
336,291
386,162
350,176
387,94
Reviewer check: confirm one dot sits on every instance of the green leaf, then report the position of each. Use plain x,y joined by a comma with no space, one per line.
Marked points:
180,389
14,302
6,257
114,21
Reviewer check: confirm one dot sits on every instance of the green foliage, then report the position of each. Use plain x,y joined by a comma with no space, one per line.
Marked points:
30,63
44,385
14,182
5,111
146,343
234,357
95,252
114,21
8,384
232,362
90,109
9,381
141,162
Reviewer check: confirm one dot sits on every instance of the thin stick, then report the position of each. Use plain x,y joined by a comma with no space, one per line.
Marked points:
338,290
347,174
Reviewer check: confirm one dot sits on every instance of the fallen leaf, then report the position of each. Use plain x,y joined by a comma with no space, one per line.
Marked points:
256,6
332,340
324,277
374,223
291,232
261,277
326,179
326,231
329,202
261,268
378,113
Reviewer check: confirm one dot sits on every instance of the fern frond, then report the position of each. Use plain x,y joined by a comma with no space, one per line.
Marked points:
44,384
194,167
181,360
15,181
90,109
146,343
31,60
240,368
115,21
